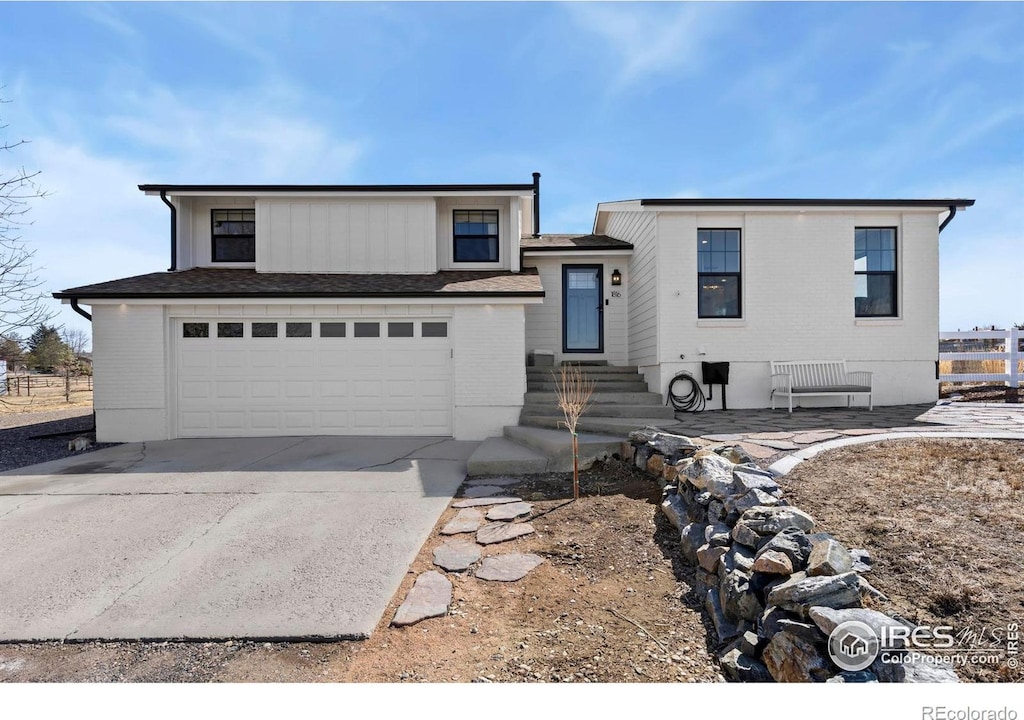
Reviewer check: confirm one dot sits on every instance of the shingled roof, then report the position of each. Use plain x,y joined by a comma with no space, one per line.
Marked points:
573,242
235,283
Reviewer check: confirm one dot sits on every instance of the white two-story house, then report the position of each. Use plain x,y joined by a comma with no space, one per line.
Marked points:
411,309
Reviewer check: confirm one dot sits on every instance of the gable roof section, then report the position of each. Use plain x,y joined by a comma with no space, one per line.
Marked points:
557,242
509,188
246,283
809,202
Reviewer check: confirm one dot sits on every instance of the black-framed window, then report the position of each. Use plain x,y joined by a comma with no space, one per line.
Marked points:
434,330
195,330
476,235
332,329
718,273
229,329
874,271
234,235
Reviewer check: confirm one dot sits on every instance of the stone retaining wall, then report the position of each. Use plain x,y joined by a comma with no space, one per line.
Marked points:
774,589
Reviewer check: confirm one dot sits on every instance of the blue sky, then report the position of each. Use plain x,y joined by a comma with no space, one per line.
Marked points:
608,101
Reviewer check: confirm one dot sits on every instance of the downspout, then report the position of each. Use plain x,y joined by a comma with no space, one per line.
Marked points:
536,204
80,311
174,231
87,316
949,218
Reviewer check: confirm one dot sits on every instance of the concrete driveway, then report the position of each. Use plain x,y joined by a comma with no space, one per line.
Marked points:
268,538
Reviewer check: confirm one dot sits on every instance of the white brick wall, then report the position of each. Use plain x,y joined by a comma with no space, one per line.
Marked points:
129,384
490,372
797,298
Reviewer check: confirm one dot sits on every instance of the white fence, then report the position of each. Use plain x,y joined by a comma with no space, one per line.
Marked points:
983,345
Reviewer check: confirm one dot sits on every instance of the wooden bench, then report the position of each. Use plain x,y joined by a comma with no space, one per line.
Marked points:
804,378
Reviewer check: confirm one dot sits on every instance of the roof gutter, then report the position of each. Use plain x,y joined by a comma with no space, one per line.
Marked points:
174,231
949,218
79,310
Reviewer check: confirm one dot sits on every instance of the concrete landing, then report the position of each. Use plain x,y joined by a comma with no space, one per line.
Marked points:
620,427
556,446
500,456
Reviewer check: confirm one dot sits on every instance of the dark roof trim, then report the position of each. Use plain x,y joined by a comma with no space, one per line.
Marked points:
512,187
573,248
813,202
280,294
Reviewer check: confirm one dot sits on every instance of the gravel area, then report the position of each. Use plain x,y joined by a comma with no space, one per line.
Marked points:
20,444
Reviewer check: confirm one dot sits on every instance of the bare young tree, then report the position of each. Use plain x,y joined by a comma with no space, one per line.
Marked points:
76,339
574,391
22,304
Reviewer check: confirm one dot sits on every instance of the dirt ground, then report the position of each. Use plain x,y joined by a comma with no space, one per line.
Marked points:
982,393
943,521
42,393
606,606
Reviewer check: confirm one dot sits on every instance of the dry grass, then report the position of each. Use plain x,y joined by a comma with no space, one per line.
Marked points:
943,520
47,393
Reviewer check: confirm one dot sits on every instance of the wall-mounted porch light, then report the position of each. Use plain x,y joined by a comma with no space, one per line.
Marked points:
616,277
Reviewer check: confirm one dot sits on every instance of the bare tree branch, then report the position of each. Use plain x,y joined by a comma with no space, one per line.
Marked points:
22,303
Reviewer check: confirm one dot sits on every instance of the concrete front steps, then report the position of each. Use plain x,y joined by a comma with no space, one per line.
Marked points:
533,450
539,443
620,402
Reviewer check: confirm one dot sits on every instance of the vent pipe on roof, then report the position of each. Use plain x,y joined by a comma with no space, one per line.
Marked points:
536,204
174,231
949,218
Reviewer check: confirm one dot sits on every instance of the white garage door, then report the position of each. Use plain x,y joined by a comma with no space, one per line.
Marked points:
245,377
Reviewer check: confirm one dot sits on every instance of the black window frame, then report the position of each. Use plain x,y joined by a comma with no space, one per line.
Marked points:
496,236
215,236
737,274
893,274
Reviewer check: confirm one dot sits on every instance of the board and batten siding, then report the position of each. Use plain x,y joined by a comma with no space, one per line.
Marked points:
446,230
640,228
129,372
195,229
798,302
544,321
332,236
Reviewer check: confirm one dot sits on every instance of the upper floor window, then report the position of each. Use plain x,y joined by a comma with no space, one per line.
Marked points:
234,235
476,236
718,273
874,272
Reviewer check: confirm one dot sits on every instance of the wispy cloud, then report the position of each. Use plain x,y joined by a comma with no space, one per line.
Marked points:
106,15
649,40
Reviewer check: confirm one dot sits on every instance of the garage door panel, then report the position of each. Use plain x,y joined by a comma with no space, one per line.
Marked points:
264,389
264,419
367,420
298,390
264,358
310,385
333,388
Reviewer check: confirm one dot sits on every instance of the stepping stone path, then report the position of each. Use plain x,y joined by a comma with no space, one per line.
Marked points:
770,436
776,444
479,491
509,511
756,451
502,481
508,568
501,532
815,437
429,597
466,521
479,502
456,555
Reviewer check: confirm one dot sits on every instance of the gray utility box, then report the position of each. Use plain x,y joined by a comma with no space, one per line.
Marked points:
541,358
